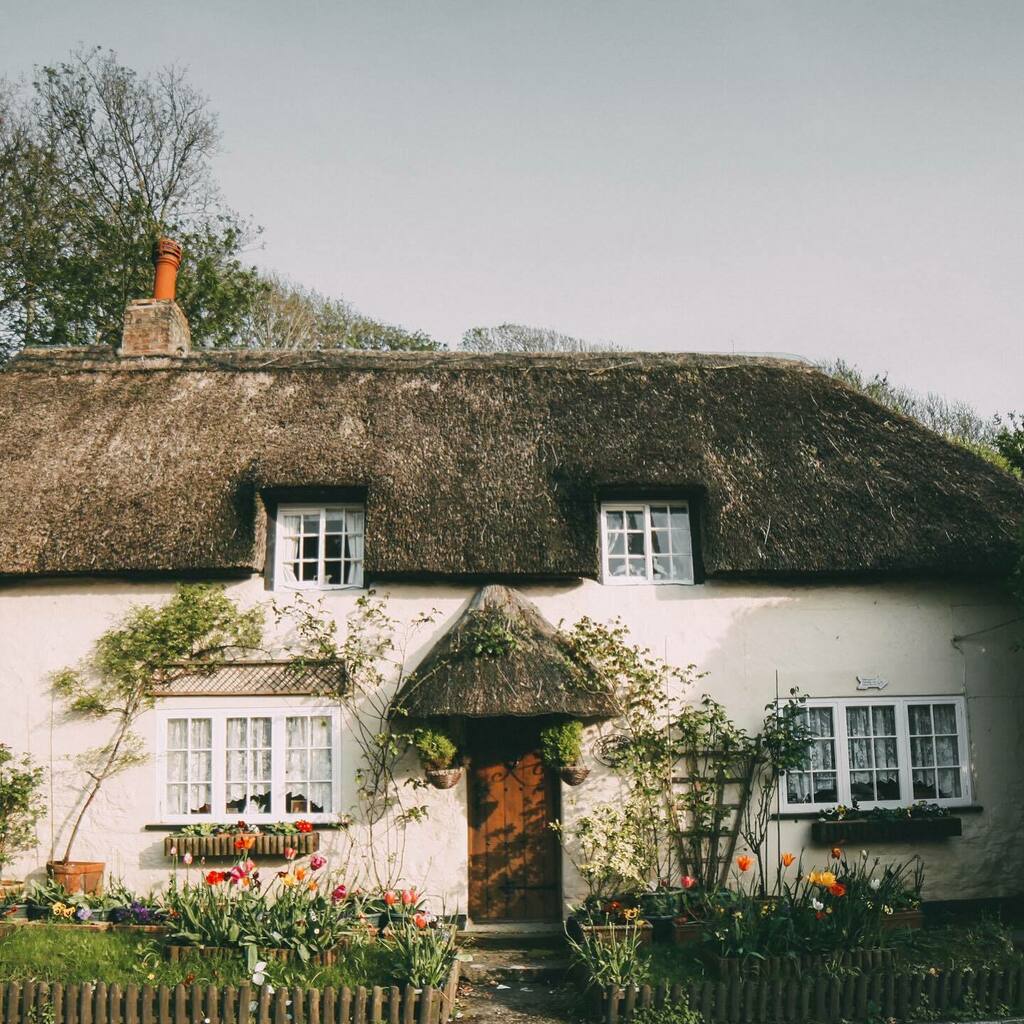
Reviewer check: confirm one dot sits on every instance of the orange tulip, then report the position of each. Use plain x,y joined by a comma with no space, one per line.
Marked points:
744,862
787,859
838,889
300,873
836,852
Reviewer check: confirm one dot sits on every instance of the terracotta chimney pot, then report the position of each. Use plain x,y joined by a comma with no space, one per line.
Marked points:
168,259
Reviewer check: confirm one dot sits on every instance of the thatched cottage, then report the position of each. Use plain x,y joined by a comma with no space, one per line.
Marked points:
751,516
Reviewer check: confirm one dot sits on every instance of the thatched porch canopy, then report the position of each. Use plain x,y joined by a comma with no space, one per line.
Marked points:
502,657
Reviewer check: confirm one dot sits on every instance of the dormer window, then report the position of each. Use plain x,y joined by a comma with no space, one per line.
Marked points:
646,542
320,547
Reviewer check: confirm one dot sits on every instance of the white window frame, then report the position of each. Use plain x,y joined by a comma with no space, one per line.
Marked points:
221,709
280,577
646,580
838,705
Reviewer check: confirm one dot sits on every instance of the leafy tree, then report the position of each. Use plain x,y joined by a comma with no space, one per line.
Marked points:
519,338
290,316
199,623
956,421
96,162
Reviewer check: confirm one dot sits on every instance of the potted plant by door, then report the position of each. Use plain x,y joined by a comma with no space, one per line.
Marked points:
21,806
561,746
437,755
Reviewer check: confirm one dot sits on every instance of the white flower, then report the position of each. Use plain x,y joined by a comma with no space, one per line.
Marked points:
259,973
864,854
876,884
817,904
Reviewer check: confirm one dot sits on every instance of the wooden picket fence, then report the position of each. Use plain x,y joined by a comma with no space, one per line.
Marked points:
29,1002
858,996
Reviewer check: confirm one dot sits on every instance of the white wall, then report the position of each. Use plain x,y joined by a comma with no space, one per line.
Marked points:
817,638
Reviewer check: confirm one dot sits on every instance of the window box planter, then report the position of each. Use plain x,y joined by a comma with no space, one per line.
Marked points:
685,931
902,919
264,844
611,932
885,830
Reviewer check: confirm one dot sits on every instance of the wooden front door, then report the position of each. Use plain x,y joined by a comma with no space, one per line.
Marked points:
514,858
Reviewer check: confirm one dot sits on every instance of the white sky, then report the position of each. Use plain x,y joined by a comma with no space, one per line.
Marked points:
828,179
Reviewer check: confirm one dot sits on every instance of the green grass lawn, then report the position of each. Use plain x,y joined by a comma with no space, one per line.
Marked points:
53,953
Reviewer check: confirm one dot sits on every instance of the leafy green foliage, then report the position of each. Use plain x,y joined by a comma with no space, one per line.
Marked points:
488,635
21,804
419,953
290,316
199,623
95,165
520,338
562,744
610,961
435,749
671,1013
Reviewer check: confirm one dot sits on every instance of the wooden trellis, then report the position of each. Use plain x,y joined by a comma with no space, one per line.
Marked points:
706,851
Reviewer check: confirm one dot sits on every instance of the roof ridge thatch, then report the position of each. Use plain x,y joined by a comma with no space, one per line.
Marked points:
480,467
502,657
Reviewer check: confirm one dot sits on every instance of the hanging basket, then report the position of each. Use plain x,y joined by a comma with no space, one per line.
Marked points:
573,774
443,778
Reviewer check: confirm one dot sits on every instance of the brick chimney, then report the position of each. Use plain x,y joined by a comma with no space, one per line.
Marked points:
157,326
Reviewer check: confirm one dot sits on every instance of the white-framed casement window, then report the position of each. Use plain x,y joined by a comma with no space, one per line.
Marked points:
881,752
259,763
319,547
646,542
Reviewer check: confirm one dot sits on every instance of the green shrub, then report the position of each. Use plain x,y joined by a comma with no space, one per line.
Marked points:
672,1013
21,805
436,750
562,744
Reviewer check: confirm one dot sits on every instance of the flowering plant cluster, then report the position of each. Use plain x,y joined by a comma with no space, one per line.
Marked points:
921,809
220,828
843,906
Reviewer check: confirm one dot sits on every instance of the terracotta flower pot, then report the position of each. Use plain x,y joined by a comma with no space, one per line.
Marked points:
443,778
78,875
573,774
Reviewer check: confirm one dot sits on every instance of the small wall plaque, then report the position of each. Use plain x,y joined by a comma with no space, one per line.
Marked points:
871,683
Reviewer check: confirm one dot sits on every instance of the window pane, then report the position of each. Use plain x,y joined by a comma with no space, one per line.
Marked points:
614,520
635,542
177,734
320,731
924,785
617,566
659,517
236,766
798,787
202,732
659,543
332,574
637,567
201,766
177,799
680,519
682,566
858,721
920,716
944,719
922,751
617,544
949,783
354,523
888,785
661,567
261,732
311,547
885,754
295,769
292,524
332,546
635,520
296,731
862,786
311,523
320,798
884,720
320,765
819,721
199,799
335,522
825,788
947,750
860,754
823,755
177,766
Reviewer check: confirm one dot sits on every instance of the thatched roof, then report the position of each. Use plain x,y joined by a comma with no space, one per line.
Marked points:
477,466
502,657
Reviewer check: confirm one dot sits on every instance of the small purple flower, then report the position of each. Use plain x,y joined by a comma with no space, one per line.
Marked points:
83,913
